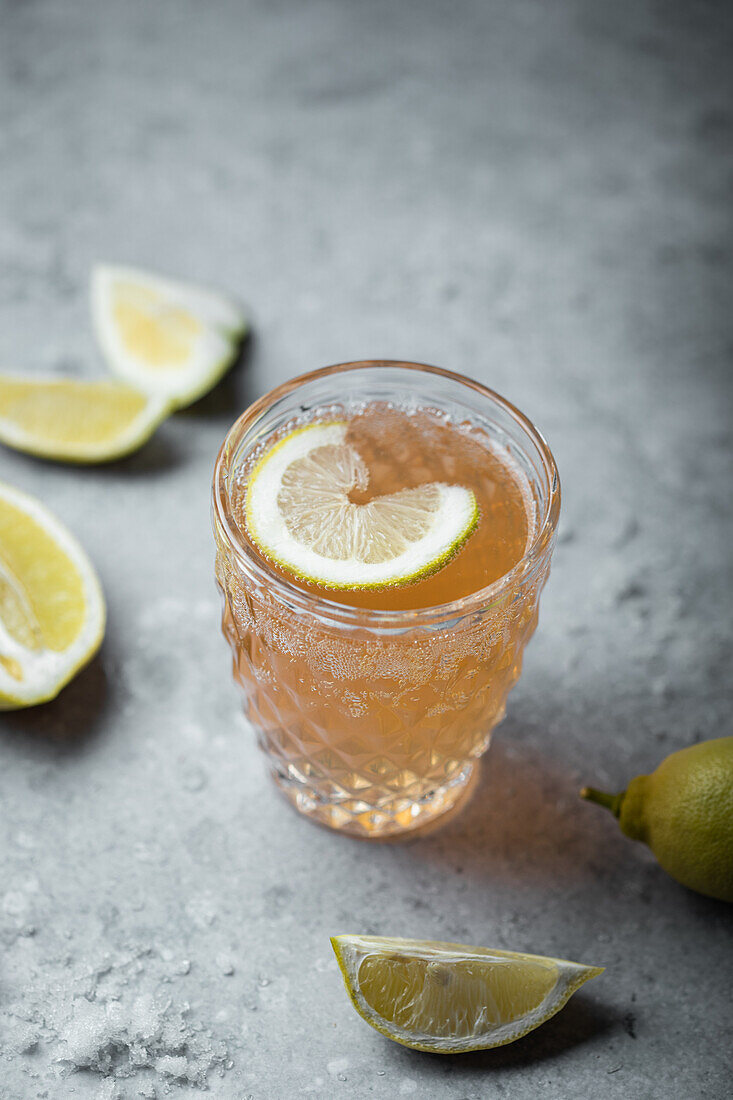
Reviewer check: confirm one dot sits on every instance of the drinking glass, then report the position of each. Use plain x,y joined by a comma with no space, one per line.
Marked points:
372,720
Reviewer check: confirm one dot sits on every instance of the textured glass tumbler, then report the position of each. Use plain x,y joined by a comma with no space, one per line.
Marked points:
372,720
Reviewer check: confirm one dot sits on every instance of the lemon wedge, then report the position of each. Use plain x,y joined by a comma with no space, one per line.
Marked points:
448,998
52,610
168,338
298,512
75,421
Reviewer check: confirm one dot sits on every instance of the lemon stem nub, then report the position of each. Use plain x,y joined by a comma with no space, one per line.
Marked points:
611,802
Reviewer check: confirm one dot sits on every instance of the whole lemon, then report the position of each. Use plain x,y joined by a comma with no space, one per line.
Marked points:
684,812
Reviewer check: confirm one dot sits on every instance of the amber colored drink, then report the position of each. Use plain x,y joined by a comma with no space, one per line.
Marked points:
373,705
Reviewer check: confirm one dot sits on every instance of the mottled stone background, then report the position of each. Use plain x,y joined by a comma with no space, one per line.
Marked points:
537,194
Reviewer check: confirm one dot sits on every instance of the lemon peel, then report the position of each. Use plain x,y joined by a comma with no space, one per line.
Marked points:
70,420
449,998
52,611
299,513
171,339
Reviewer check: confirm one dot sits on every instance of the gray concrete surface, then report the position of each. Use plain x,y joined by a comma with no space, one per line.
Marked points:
538,195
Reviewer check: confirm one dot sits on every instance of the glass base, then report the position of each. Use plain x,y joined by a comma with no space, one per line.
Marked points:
389,819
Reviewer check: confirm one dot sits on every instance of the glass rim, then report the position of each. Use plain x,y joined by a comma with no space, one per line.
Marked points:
377,617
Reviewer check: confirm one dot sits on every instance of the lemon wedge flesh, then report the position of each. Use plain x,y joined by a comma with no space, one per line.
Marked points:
52,610
448,998
171,339
298,512
74,421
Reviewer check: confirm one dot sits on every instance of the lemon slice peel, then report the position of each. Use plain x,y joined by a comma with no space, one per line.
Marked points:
169,338
75,420
393,540
440,973
52,609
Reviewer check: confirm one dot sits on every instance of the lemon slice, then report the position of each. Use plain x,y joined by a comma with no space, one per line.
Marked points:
168,338
51,605
299,513
448,998
74,421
